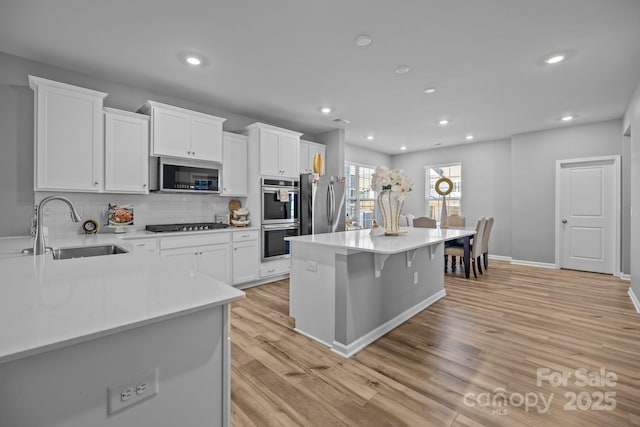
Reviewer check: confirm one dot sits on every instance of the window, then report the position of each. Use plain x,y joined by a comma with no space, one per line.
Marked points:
360,198
433,199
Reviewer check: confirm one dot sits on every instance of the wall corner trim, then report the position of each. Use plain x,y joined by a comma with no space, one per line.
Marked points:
634,300
624,276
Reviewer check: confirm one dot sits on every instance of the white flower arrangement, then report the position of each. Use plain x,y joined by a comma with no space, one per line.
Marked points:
394,180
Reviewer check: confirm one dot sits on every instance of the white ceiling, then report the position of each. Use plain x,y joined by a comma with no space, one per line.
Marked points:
279,61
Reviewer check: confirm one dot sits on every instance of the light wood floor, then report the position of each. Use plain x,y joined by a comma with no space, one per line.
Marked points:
487,333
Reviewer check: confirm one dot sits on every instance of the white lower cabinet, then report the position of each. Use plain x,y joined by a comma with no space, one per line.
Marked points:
208,254
230,257
188,257
277,267
214,261
245,256
147,245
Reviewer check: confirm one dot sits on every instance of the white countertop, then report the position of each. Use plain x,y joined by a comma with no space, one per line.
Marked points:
47,304
361,240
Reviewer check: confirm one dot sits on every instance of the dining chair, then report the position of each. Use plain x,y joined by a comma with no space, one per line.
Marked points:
425,222
485,242
455,220
475,250
402,221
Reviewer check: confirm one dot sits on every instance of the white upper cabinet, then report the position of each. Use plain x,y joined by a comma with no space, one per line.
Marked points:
279,150
234,165
288,157
126,149
177,132
308,150
269,153
68,137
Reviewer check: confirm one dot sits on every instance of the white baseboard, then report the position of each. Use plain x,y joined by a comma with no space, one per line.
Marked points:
349,350
533,263
500,257
624,276
634,300
312,337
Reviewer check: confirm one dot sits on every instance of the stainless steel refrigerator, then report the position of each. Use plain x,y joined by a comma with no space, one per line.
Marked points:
322,204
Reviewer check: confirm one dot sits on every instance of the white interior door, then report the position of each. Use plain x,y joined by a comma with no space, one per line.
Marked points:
587,215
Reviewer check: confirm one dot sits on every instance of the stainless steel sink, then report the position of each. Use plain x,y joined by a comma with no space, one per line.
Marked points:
87,251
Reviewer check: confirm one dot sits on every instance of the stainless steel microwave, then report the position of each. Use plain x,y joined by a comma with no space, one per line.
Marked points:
179,176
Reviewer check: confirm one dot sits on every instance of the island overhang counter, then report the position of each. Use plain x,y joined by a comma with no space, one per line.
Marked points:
349,288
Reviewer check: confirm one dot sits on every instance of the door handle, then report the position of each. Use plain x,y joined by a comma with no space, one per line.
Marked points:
330,204
564,221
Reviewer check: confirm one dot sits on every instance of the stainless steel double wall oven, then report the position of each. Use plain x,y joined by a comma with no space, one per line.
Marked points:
280,216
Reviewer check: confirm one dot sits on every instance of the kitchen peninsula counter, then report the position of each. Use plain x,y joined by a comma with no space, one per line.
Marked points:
70,329
347,289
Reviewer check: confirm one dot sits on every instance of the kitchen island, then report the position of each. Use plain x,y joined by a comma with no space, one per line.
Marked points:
76,333
347,289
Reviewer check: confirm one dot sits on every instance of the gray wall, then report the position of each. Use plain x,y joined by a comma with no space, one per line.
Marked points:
486,177
632,121
533,164
16,131
363,156
334,151
16,158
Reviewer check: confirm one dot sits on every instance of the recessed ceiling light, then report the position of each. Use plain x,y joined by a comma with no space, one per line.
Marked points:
193,60
404,147
430,90
325,110
370,137
444,122
363,40
567,118
402,69
555,59
468,137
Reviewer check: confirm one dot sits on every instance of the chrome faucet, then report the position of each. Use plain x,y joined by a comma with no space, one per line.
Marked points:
39,246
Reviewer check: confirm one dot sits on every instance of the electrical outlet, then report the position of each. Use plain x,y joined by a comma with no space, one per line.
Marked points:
311,266
127,394
415,278
124,395
141,388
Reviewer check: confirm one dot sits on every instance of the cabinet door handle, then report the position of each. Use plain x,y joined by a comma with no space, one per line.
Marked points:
95,183
144,185
193,153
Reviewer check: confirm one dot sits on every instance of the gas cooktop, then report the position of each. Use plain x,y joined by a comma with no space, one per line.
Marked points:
194,226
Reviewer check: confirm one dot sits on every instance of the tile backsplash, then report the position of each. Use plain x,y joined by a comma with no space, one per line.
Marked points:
154,208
